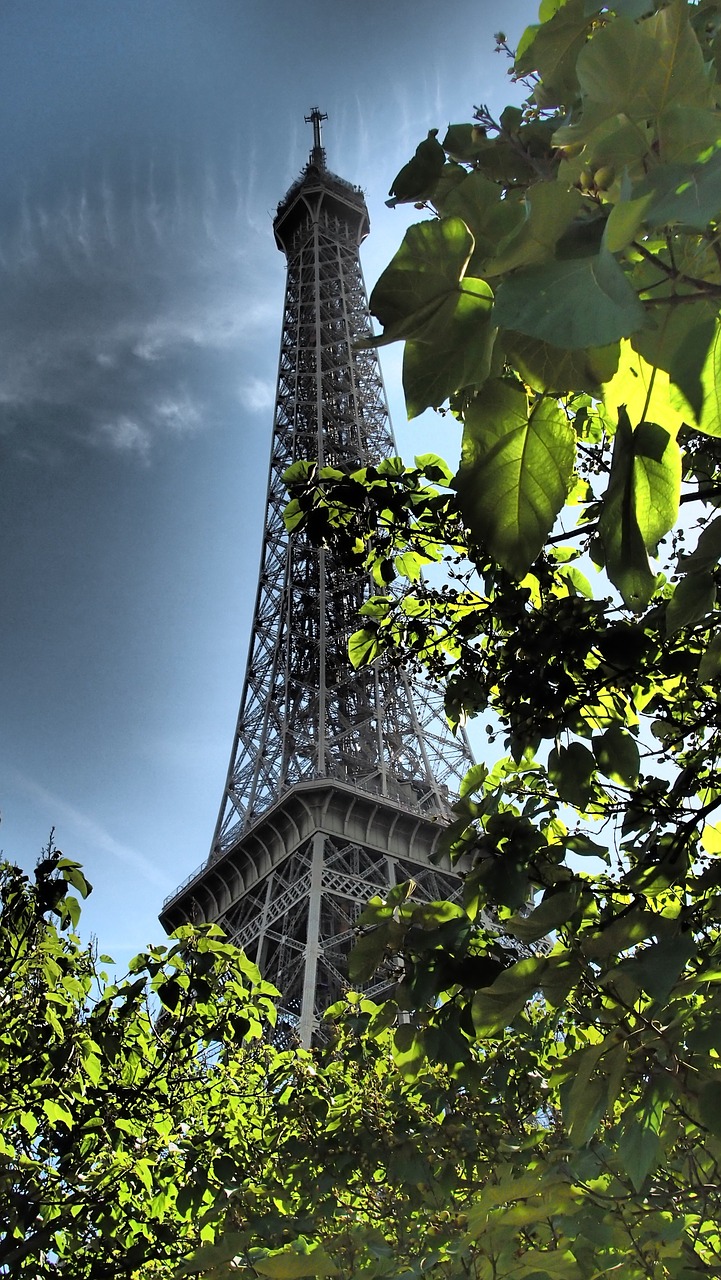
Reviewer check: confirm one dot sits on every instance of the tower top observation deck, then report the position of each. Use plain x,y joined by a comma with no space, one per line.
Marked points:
318,195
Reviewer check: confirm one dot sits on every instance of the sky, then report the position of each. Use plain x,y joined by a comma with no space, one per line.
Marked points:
144,147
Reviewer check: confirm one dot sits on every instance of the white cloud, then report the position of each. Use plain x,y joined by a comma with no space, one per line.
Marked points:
178,414
257,394
126,435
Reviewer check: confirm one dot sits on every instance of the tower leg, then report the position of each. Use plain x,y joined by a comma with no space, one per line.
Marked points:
306,1025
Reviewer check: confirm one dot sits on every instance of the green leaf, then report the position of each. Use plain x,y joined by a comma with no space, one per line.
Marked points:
579,302
92,1067
705,414
425,271
555,371
434,467
550,208
417,179
55,1112
657,968
578,582
624,221
614,143
640,505
585,1102
684,133
295,1261
473,780
707,552
515,473
455,351
553,911
369,950
72,873
639,70
694,597
552,48
462,142
689,195
571,770
559,979
617,754
211,1256
677,340
619,934
711,838
640,1150
494,1007
642,389
29,1122
409,1050
709,1105
710,665
490,217
363,647
688,369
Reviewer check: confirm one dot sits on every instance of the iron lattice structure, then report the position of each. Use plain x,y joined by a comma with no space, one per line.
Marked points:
337,778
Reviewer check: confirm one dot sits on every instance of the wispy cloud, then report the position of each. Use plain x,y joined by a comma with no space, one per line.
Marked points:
62,812
128,293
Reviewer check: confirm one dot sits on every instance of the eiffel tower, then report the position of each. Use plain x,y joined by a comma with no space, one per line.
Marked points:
339,780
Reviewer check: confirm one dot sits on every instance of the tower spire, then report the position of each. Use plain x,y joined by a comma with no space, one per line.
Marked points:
339,779
317,155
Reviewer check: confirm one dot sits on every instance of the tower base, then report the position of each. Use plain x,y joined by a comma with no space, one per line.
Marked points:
291,890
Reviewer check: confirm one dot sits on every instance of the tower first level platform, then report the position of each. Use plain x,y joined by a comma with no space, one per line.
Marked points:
290,891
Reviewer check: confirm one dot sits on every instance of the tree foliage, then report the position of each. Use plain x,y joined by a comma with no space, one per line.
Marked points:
119,1098
148,1132
563,301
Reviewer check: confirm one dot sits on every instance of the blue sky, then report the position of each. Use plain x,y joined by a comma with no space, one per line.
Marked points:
145,146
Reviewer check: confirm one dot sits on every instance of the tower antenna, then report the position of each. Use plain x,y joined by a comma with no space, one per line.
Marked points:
317,155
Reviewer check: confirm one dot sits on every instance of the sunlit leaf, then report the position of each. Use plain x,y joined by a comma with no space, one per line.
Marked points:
515,473
425,271
455,350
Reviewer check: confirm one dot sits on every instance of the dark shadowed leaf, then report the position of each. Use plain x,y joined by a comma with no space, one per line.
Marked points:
571,770
417,179
693,598
709,1105
640,1150
617,754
